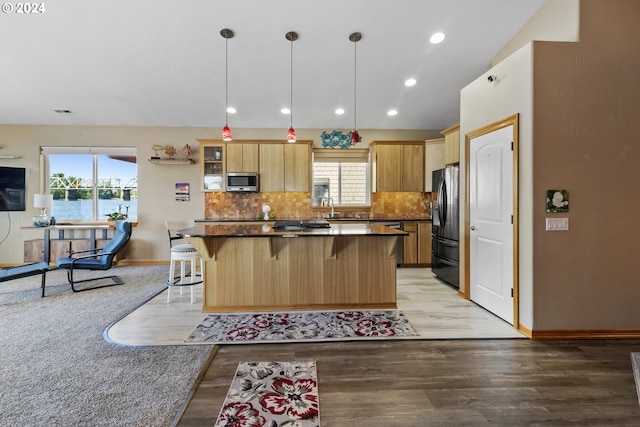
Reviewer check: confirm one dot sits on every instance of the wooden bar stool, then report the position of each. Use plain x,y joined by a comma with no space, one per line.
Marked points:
183,253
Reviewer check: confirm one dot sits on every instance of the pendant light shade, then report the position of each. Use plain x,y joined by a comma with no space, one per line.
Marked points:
226,132
355,136
291,134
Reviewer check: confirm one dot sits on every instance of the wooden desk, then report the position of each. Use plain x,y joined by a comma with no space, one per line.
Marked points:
49,249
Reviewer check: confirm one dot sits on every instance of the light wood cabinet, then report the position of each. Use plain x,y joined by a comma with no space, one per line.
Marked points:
242,157
285,167
433,160
212,164
410,242
452,144
424,243
282,166
416,246
271,167
297,167
397,166
388,168
413,167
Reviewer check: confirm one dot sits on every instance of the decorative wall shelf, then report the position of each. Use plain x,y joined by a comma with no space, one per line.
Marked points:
172,161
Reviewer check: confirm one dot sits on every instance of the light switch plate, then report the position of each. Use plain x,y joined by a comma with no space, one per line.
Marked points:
557,224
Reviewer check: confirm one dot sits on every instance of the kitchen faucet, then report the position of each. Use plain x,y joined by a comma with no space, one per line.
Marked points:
332,207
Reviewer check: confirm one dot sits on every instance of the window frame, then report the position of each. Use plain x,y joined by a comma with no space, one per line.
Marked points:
343,156
94,152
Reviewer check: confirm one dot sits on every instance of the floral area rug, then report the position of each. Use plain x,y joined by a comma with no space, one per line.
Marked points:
302,326
274,394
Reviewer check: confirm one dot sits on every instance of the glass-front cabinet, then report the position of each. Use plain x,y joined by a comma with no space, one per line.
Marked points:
212,165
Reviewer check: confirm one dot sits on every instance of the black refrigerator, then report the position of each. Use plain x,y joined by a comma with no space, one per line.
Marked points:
445,256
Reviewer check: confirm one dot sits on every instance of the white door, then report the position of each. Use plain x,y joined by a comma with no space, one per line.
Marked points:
490,220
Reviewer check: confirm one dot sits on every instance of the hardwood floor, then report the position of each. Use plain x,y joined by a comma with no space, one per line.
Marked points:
448,382
462,371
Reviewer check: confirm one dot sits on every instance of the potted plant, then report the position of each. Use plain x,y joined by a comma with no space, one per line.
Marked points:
115,216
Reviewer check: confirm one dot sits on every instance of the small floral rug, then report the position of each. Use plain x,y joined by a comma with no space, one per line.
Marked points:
274,394
302,326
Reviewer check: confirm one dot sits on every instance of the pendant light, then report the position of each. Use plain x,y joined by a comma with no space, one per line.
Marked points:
291,134
355,137
226,132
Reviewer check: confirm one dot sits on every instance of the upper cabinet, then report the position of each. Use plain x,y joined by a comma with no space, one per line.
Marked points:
271,167
242,157
452,144
397,166
212,166
433,160
297,167
285,166
282,166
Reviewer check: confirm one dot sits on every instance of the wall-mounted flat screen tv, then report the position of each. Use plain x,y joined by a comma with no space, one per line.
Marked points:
13,188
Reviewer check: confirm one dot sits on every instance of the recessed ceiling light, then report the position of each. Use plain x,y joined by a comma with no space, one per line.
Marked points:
339,111
231,110
436,38
392,113
285,110
63,111
410,82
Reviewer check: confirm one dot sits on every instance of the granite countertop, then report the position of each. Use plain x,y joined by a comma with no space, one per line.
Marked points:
339,219
266,230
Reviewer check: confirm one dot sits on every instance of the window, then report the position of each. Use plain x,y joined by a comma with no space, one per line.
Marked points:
88,183
341,175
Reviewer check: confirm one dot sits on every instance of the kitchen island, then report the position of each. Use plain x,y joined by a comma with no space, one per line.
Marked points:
253,267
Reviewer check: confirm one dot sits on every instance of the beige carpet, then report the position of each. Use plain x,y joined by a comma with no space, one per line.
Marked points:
57,370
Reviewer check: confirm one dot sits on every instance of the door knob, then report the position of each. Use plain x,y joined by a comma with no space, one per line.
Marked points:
473,227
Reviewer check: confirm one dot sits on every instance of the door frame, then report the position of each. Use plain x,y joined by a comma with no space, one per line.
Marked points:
509,121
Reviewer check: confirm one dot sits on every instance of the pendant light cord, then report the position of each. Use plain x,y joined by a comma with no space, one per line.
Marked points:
291,85
355,67
226,81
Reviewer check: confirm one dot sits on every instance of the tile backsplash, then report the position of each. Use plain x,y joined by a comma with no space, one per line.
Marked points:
291,205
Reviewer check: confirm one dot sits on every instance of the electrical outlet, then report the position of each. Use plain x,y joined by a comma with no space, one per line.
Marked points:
557,224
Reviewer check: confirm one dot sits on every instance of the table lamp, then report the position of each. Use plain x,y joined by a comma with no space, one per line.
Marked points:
42,202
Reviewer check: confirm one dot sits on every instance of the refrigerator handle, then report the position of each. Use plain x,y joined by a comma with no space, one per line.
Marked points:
441,197
445,198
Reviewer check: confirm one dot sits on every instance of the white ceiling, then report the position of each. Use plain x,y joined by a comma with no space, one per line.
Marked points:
161,63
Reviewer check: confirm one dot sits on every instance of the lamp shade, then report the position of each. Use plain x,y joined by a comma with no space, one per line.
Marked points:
42,201
355,137
226,134
291,135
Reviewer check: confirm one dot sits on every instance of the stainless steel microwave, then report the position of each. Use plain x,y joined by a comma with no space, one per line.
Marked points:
243,181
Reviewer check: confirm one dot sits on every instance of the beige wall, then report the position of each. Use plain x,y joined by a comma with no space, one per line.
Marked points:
483,103
586,109
156,183
557,20
578,106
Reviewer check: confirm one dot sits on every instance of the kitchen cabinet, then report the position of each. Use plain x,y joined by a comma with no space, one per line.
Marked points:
242,157
297,167
212,165
416,246
284,166
424,242
413,167
271,167
397,166
433,160
452,144
410,242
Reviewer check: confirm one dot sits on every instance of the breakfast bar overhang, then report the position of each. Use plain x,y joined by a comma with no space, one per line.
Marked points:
252,267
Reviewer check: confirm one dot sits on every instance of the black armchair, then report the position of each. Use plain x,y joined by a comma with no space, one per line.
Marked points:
97,259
